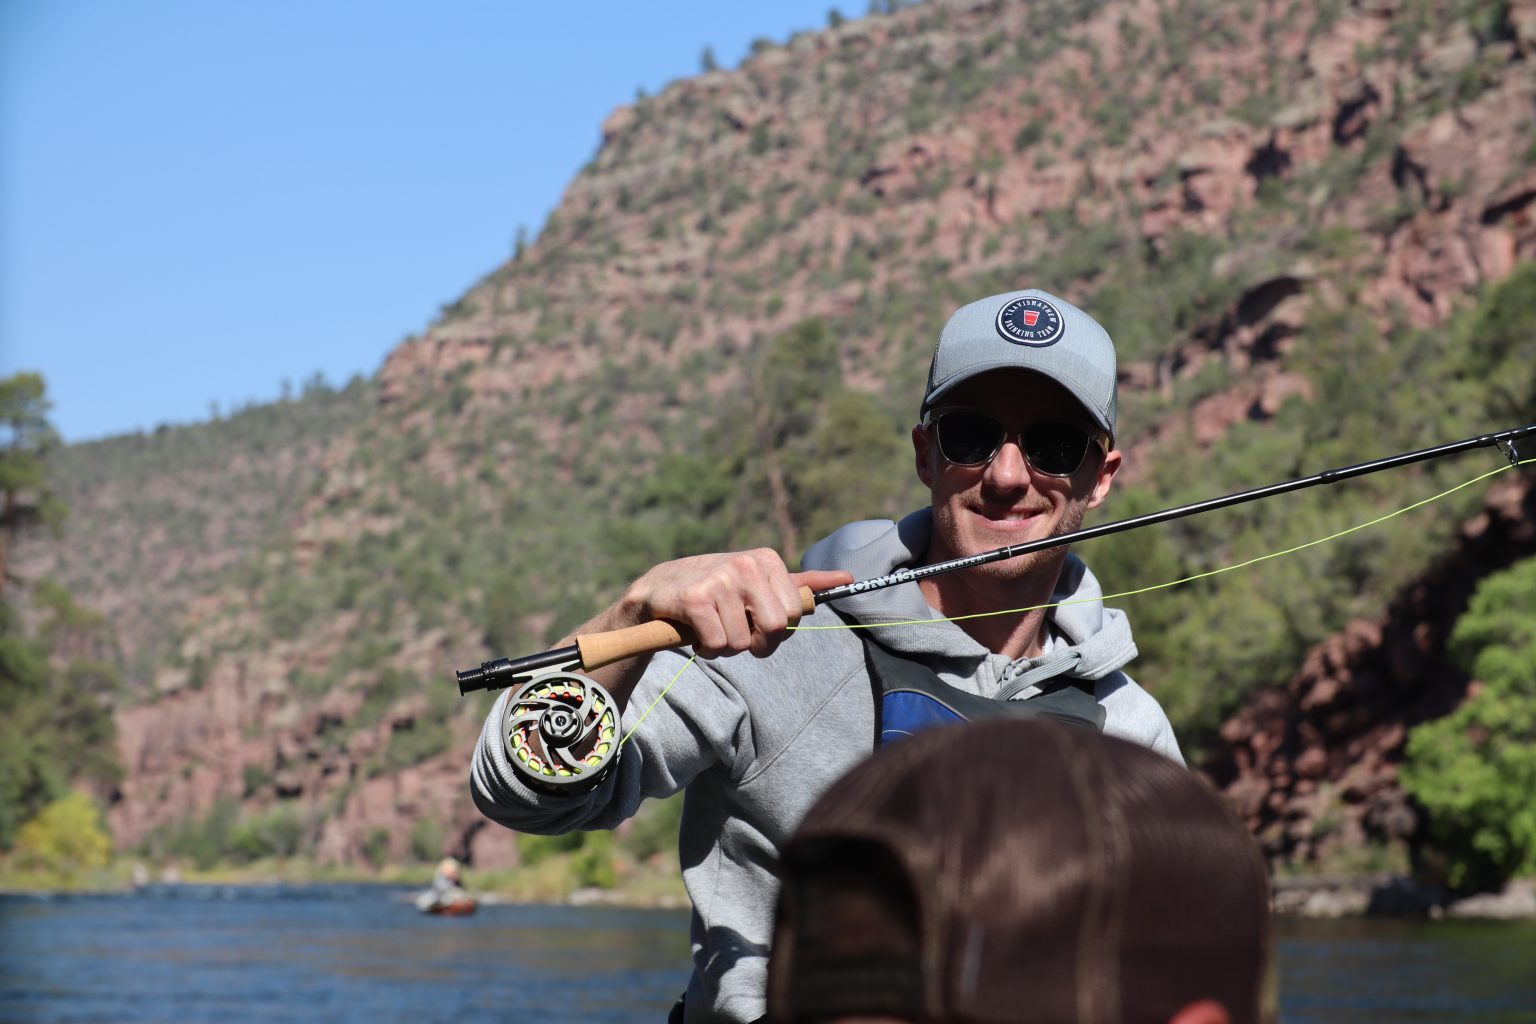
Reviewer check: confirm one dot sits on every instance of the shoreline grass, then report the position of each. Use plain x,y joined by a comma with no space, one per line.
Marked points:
552,879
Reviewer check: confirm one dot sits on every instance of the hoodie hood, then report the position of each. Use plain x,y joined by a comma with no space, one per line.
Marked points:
1100,636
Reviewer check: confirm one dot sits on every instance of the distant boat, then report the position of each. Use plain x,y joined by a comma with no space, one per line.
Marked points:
450,904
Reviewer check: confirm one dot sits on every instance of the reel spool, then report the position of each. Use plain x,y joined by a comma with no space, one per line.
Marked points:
561,732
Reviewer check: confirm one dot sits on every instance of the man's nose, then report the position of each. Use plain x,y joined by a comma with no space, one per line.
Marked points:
1008,467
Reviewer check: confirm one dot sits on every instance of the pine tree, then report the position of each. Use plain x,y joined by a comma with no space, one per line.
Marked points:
26,439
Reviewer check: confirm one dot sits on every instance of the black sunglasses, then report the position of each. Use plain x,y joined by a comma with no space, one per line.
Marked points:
967,437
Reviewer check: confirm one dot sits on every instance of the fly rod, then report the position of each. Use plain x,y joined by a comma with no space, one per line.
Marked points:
599,649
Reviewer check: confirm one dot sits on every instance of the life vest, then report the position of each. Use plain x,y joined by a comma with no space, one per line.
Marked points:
910,696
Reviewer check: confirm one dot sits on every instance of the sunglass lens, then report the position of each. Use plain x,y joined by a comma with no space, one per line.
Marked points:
968,438
1056,448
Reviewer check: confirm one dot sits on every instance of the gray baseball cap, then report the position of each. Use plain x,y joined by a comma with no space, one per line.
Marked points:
1028,330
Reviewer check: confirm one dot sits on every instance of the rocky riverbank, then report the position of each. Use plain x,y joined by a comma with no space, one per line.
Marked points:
1381,894
1398,896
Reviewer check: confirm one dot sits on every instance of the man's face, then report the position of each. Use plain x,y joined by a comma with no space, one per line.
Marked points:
1006,501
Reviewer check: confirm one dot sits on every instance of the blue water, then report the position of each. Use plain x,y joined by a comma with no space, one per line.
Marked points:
352,954
363,955
1403,972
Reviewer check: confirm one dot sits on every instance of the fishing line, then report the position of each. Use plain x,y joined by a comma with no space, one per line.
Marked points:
1187,579
598,649
1117,596
649,708
560,728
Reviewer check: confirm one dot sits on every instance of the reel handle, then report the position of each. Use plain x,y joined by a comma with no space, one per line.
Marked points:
599,649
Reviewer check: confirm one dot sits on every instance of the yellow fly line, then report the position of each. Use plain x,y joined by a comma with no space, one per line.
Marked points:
1122,594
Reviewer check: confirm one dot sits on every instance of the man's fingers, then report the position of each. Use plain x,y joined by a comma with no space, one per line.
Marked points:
738,627
739,601
703,620
821,579
767,635
764,644
727,599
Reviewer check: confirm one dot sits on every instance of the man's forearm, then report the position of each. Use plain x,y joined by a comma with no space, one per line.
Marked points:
621,677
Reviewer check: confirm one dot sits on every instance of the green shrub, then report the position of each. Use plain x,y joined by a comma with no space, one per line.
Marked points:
593,863
278,833
655,828
535,849
1499,347
204,841
426,840
1474,771
411,746
31,773
67,837
253,777
376,846
1032,132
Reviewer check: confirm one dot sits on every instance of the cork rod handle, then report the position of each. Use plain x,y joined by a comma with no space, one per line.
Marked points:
601,649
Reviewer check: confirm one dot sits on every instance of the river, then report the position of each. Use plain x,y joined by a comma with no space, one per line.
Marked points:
354,954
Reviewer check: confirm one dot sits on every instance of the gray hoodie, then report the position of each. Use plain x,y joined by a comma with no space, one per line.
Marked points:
756,741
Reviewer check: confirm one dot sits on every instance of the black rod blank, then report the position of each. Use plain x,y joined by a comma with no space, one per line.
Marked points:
502,671
1328,476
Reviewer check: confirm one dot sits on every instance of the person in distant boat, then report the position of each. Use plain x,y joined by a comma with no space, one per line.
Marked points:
446,880
1068,876
1015,442
447,891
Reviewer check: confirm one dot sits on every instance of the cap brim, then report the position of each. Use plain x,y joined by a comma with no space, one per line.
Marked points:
1076,390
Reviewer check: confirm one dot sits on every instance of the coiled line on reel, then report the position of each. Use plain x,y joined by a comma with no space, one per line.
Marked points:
560,731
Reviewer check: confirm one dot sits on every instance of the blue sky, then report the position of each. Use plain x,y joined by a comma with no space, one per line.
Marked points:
201,200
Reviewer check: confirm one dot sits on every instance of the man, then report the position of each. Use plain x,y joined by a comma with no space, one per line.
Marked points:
1016,442
1077,878
446,894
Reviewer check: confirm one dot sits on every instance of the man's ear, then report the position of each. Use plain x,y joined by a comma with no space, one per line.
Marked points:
1206,1011
1108,467
920,450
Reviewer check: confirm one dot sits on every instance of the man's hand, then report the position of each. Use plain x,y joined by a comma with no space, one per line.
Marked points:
740,601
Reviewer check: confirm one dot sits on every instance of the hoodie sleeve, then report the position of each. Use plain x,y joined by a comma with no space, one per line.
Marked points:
698,721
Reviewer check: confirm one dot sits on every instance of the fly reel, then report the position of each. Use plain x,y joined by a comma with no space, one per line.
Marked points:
561,732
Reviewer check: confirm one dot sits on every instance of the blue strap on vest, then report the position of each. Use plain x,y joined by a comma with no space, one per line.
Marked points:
910,696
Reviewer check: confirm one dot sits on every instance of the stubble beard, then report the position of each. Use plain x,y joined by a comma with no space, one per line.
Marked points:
1020,567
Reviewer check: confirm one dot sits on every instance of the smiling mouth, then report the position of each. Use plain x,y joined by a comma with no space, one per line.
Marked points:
1008,519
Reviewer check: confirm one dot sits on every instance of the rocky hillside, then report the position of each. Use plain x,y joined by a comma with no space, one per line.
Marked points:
1285,213
162,519
1312,764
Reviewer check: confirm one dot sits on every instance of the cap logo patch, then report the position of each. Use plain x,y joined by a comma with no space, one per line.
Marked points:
1029,321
